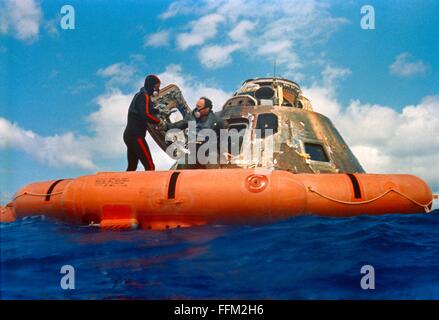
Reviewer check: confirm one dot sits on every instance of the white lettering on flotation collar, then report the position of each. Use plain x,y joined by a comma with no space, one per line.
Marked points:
368,280
68,281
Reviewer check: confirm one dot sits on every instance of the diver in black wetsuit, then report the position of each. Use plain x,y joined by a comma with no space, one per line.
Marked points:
141,111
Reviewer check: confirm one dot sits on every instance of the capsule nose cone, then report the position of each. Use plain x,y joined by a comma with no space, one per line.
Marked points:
7,213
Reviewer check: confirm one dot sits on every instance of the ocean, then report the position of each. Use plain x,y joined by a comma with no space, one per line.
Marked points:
305,257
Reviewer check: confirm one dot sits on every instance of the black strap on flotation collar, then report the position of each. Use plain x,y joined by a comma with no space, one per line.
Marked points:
52,186
172,185
356,185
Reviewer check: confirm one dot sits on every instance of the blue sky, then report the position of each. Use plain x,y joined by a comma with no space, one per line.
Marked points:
61,91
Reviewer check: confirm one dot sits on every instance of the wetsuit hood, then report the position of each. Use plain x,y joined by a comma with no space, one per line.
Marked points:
150,82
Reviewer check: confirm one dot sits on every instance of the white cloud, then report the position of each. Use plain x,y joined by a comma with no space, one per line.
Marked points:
180,7
106,125
192,89
51,26
158,39
274,47
323,100
217,56
280,52
412,132
84,152
58,150
118,73
405,66
271,30
241,30
372,123
323,94
109,121
81,86
331,74
384,140
22,18
202,30
4,24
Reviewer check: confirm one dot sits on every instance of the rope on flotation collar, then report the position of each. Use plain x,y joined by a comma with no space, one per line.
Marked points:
36,194
424,206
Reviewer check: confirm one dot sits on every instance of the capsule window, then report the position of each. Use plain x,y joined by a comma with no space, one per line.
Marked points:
234,142
316,152
267,124
240,101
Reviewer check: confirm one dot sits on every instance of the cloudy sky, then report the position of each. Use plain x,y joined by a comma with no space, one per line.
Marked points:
64,94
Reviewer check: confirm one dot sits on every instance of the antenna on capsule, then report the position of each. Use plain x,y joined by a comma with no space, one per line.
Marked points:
274,68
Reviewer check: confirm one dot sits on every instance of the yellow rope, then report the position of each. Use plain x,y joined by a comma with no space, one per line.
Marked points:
37,194
425,206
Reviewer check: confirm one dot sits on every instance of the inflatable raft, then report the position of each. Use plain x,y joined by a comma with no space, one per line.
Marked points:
309,170
183,198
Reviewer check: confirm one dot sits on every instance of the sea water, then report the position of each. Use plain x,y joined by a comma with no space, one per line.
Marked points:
306,257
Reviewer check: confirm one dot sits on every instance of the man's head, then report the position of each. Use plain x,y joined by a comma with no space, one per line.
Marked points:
204,105
152,85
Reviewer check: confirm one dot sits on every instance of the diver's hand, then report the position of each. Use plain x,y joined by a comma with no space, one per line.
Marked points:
162,125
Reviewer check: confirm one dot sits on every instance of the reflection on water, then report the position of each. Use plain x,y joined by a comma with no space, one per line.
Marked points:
302,258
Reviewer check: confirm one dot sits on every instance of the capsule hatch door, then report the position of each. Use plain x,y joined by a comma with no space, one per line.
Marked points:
171,107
